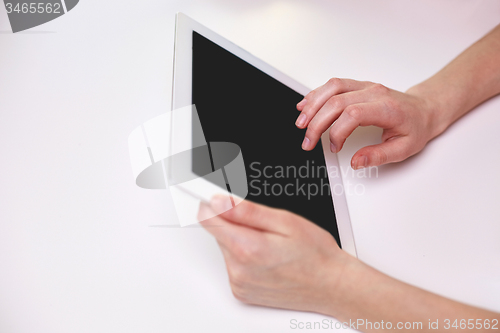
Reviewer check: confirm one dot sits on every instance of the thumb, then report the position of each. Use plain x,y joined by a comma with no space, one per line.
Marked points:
390,151
250,214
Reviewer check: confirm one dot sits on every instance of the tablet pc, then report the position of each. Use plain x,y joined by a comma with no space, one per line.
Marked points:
242,100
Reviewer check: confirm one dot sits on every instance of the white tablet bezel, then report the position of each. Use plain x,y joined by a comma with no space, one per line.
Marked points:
182,97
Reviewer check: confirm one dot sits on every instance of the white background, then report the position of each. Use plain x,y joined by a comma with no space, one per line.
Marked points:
77,250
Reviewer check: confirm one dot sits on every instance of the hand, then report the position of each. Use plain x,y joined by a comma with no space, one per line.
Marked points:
278,259
275,258
407,119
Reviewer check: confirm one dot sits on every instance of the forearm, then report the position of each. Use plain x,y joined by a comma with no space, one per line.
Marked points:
467,81
364,293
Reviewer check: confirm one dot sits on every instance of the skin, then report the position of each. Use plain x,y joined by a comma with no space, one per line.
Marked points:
278,259
409,120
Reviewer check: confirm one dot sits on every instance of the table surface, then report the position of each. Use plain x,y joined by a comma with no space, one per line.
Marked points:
78,252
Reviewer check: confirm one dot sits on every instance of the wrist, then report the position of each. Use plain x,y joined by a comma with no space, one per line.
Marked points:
342,292
438,110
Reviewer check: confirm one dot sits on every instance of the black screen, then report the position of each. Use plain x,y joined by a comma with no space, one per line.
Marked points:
239,103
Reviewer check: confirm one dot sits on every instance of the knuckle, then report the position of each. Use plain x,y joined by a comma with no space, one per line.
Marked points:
335,103
239,283
336,139
354,112
310,95
312,136
332,135
240,294
334,82
313,130
236,275
241,254
380,89
246,254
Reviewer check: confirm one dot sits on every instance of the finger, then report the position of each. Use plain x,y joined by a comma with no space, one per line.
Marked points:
364,114
301,104
318,97
227,234
392,150
329,112
251,215
229,257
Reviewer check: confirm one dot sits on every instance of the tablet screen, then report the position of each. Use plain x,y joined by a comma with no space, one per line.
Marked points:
239,103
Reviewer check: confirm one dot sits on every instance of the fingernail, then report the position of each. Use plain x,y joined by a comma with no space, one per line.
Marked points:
301,120
306,143
221,203
333,149
302,102
361,162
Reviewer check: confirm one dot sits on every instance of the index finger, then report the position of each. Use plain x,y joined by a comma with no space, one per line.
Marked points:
252,215
363,114
226,233
318,97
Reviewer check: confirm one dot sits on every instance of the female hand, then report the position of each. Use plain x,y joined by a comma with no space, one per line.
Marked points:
278,259
409,121
275,258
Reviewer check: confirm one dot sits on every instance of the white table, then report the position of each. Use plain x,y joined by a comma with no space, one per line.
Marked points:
77,253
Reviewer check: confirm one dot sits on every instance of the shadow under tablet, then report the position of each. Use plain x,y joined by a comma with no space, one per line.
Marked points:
239,103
